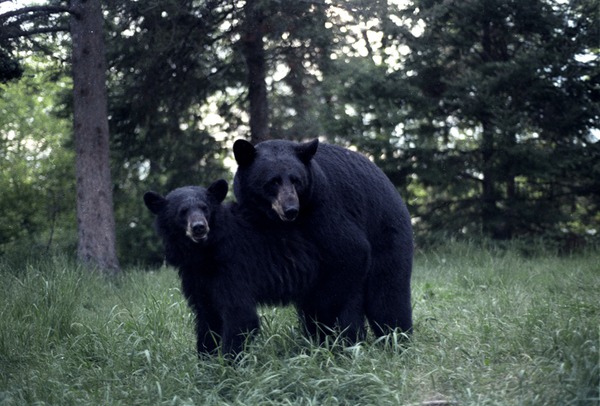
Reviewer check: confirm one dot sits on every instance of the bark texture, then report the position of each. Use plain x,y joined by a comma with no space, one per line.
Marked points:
253,48
95,216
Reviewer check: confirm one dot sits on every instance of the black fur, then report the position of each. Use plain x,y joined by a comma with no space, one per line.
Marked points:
348,208
236,267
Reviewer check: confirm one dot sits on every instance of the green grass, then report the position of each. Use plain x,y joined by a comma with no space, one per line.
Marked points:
492,327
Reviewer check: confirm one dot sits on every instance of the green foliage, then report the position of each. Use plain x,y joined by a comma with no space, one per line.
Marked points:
37,177
493,326
484,114
298,45
10,69
164,65
486,123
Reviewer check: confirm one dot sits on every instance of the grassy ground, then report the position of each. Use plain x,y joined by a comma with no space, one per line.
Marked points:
492,327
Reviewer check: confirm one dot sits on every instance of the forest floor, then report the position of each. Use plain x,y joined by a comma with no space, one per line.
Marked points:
492,326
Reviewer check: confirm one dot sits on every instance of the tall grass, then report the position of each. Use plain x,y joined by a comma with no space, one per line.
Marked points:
493,326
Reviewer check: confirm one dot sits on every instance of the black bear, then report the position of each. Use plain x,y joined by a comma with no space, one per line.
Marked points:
226,266
349,209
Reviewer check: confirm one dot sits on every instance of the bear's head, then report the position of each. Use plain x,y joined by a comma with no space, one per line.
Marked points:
274,177
185,212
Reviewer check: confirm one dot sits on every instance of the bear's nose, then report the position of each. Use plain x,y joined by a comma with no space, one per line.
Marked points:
291,213
197,231
199,228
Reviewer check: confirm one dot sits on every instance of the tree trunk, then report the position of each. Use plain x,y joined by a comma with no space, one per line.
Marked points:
300,102
489,210
510,221
95,217
254,54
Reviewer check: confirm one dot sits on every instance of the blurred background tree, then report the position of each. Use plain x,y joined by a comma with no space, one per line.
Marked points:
484,113
84,21
488,121
37,176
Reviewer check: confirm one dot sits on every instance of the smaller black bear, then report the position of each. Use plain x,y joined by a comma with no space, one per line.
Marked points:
227,267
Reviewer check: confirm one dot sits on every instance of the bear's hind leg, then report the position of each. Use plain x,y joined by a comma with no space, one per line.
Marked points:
388,302
351,320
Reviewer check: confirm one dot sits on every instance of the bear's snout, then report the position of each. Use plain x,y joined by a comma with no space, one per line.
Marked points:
286,204
197,228
291,213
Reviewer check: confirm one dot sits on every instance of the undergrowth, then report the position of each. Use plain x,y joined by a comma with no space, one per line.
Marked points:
492,326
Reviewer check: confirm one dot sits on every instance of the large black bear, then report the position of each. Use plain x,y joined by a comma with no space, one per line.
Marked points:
226,266
345,204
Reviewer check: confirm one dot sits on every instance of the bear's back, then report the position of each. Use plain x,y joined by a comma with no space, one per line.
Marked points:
360,187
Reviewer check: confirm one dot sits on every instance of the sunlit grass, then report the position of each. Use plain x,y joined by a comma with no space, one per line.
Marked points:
492,326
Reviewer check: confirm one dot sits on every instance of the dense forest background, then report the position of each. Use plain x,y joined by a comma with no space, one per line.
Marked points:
484,113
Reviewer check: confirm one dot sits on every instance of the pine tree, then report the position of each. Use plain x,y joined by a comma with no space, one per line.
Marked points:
489,119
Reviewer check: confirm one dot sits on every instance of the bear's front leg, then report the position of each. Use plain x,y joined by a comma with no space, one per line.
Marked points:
239,323
209,328
207,321
336,301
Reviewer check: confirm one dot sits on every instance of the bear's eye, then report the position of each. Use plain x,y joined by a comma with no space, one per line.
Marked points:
183,211
202,207
274,182
295,180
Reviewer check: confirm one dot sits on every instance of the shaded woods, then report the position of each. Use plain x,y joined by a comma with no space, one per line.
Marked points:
484,115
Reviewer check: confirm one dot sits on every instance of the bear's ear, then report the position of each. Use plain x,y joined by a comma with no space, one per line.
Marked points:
218,190
307,150
154,202
244,152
